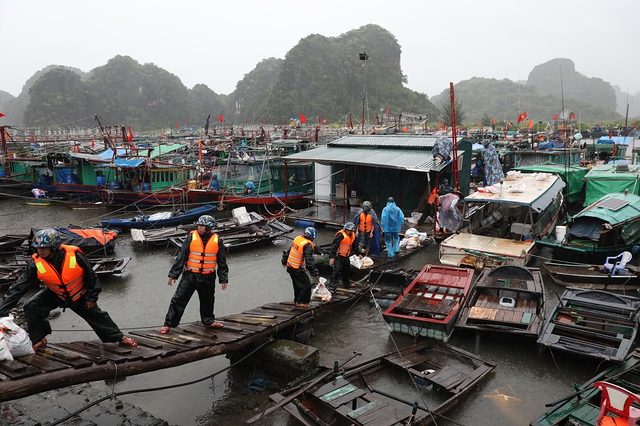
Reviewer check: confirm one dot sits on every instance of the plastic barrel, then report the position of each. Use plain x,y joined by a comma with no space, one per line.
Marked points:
3,173
561,232
136,188
101,180
114,184
304,224
146,187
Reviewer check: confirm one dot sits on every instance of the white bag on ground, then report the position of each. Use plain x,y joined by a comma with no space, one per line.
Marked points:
5,355
17,339
355,261
320,292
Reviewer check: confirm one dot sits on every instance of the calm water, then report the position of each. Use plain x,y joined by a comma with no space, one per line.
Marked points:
514,394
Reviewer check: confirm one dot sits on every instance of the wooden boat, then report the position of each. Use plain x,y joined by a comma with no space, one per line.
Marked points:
10,242
160,219
507,300
109,265
581,407
592,277
592,323
431,303
361,395
605,228
503,225
8,274
38,202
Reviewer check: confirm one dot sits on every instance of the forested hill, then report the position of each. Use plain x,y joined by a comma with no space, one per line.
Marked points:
321,77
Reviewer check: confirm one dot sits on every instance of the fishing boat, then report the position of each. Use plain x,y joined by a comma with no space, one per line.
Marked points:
38,202
592,323
378,392
582,405
593,277
109,265
605,228
430,305
159,219
500,227
8,274
505,301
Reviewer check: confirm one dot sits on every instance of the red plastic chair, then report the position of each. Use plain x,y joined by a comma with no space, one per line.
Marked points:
617,400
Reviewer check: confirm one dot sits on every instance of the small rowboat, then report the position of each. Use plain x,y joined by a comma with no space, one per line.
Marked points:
592,277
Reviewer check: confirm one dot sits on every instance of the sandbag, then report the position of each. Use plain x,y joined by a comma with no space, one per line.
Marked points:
17,339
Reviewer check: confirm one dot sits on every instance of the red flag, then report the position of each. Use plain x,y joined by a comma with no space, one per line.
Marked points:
613,151
388,111
221,118
303,119
1,114
130,135
324,121
187,121
405,129
572,116
530,124
555,117
495,121
522,116
200,149
177,125
93,144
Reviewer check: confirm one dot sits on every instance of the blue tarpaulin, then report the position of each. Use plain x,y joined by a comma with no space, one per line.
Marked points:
123,162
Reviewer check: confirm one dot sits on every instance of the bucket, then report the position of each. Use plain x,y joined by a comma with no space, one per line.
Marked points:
101,180
146,187
3,173
191,184
561,232
136,188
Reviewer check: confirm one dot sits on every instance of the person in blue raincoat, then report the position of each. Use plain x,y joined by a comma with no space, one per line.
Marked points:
492,168
368,230
392,220
214,183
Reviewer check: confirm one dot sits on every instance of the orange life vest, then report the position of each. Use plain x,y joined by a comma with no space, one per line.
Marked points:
201,259
68,284
365,224
296,253
344,249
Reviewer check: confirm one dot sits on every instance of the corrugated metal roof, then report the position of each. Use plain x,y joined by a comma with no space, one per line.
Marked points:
392,158
386,141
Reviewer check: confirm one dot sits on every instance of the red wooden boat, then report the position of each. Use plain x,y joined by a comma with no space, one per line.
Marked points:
430,305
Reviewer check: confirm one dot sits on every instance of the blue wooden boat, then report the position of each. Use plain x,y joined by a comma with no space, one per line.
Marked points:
159,219
605,228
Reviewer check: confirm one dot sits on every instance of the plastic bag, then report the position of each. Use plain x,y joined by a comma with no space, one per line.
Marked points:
320,292
5,354
517,188
355,261
17,339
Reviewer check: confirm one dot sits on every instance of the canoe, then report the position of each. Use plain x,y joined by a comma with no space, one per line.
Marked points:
581,405
109,265
375,392
38,202
160,219
507,300
592,323
592,277
430,305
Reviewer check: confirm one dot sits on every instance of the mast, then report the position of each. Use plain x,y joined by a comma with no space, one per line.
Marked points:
454,138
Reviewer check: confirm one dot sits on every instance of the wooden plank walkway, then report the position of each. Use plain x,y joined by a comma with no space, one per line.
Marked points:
65,364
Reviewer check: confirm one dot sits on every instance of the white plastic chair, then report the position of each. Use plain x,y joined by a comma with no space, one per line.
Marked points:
620,264
617,400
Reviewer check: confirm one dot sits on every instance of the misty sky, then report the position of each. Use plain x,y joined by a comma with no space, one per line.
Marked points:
216,43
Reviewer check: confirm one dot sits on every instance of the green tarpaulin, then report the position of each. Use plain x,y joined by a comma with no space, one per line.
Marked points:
608,178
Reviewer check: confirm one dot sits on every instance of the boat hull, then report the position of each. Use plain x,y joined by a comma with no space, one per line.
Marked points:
478,251
430,305
590,276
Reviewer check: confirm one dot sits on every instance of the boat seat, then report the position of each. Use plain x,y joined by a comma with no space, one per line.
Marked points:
616,264
617,400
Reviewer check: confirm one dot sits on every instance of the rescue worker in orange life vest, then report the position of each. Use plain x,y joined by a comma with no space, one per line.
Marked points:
367,230
339,256
69,282
202,253
298,260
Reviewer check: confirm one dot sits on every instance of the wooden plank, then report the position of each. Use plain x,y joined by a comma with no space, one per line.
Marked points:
17,370
334,384
478,372
140,352
63,356
343,395
370,407
46,365
384,417
166,349
172,339
94,355
115,349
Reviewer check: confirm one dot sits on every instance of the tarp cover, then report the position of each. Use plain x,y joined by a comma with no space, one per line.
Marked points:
93,241
573,176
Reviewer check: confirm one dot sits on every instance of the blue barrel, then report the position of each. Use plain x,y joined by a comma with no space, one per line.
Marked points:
136,188
146,187
304,224
101,180
3,173
114,184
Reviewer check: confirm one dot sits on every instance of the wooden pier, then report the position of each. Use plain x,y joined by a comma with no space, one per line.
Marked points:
65,364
